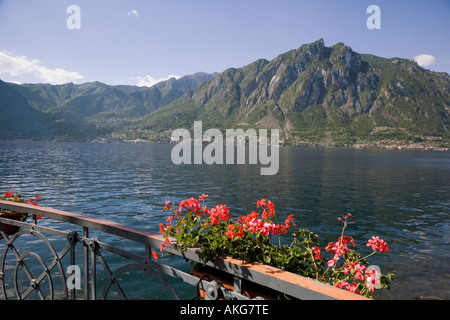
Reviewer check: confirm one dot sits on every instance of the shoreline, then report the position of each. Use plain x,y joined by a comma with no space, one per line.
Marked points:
379,145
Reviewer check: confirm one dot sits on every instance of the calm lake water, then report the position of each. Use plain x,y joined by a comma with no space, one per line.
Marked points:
402,196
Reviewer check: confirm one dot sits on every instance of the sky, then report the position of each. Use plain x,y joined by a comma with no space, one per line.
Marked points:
141,42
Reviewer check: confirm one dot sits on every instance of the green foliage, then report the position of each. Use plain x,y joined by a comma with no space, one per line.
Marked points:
250,238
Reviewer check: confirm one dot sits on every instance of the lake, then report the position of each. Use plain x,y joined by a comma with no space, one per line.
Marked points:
401,196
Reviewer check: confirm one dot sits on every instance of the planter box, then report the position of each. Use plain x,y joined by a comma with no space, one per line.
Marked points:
249,289
10,229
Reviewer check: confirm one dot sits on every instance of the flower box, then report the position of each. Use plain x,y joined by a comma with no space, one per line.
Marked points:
14,215
10,229
249,289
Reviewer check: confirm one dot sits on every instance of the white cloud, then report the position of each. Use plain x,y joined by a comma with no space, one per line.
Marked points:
133,12
19,65
148,81
424,60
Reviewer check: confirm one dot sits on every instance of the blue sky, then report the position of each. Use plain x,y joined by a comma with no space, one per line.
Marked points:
143,41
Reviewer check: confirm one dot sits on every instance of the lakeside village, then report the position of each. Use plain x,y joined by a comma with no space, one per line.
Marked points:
389,144
149,136
402,145
249,136
428,143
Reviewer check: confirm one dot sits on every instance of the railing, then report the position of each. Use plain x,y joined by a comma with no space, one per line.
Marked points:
18,263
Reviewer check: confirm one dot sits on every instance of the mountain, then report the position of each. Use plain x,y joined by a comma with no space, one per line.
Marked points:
86,111
94,98
315,95
18,119
318,95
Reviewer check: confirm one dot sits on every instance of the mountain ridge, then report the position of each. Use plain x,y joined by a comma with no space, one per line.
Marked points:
316,95
89,110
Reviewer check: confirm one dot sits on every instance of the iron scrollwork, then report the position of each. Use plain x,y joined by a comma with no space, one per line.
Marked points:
39,272
34,278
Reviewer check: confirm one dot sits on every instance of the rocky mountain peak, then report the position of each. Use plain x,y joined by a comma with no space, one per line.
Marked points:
315,86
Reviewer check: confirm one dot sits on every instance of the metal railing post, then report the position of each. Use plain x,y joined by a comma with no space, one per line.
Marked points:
86,264
72,238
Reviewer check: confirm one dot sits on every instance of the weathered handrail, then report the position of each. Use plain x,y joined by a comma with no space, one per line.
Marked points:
284,282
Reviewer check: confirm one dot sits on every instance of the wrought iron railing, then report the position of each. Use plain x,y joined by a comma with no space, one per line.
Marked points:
75,255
